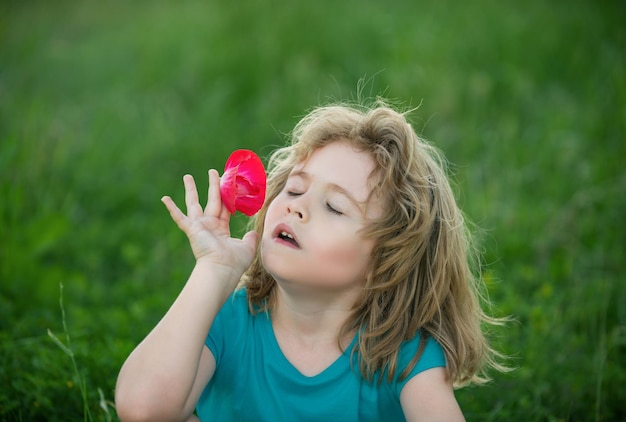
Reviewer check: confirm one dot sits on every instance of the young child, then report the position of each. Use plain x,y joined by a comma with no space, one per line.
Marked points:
353,298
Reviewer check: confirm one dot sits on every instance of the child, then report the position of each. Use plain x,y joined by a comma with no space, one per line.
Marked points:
351,300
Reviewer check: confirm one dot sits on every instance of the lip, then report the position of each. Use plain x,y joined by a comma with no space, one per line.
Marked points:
284,228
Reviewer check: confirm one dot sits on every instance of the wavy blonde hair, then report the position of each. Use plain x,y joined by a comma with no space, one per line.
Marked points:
420,278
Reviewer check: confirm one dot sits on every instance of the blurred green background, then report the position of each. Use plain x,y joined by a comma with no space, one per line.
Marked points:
105,105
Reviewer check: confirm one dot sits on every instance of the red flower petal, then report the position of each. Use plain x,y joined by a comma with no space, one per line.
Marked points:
242,185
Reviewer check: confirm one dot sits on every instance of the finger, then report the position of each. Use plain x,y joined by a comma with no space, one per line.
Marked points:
194,209
214,205
225,214
177,215
251,238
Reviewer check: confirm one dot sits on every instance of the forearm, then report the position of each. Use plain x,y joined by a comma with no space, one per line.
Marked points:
160,372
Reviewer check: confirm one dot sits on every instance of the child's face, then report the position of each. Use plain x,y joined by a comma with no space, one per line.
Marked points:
311,235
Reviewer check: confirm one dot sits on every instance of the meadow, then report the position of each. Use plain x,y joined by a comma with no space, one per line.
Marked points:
104,106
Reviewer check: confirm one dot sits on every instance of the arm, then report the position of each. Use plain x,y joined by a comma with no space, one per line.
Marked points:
429,397
164,376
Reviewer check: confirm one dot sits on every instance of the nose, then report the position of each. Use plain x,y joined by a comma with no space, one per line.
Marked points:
297,208
294,210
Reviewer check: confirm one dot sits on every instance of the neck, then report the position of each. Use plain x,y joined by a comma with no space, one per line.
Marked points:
313,316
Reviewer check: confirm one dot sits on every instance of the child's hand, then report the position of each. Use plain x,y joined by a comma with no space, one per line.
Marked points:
208,230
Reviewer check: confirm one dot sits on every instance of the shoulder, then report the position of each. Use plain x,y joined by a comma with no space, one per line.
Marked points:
234,308
239,298
426,394
428,352
431,356
231,324
429,397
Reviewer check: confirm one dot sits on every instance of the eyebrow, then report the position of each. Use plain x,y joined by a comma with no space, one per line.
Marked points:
333,186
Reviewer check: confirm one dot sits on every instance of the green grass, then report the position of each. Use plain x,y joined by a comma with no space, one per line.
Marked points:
105,105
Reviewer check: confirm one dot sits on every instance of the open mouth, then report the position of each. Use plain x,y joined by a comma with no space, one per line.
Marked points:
287,237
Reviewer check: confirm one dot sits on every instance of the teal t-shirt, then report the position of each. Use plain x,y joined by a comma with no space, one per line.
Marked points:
254,381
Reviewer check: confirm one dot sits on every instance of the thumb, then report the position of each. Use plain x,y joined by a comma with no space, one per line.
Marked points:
251,238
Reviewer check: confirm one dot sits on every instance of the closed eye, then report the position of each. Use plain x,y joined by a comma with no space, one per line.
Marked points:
333,210
292,193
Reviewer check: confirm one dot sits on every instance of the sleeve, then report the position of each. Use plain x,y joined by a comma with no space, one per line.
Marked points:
227,322
432,357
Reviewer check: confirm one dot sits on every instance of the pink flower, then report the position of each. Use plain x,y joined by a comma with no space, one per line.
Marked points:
243,183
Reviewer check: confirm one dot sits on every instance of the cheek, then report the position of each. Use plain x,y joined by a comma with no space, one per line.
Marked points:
350,255
270,216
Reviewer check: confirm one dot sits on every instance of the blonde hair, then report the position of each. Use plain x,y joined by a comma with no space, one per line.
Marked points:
420,280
